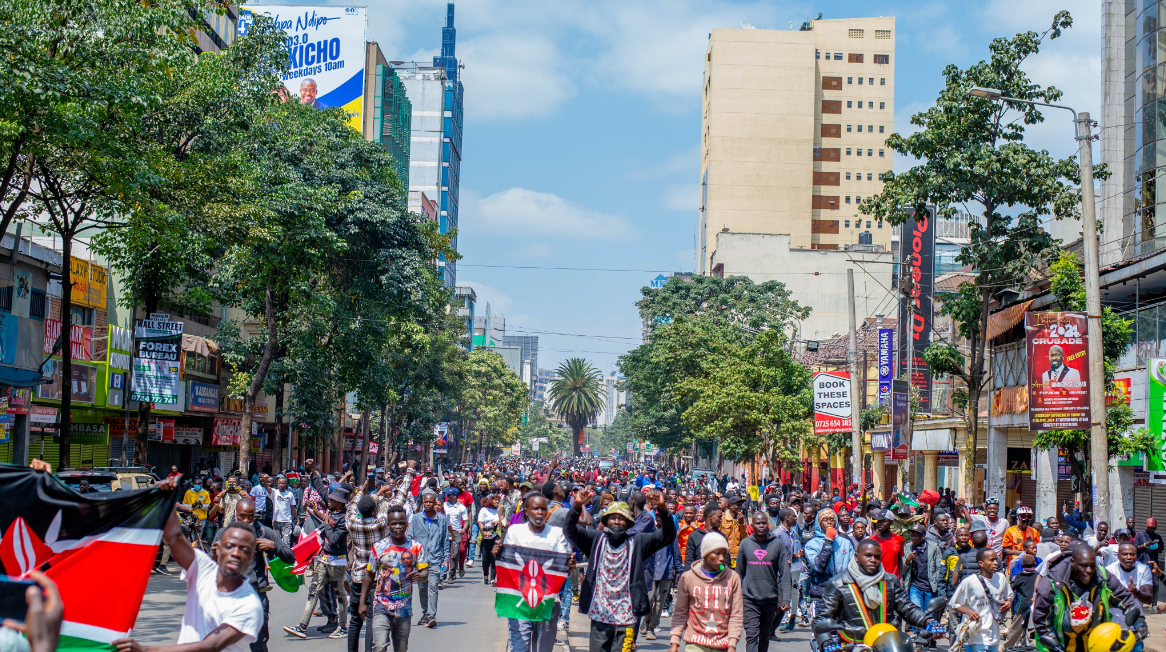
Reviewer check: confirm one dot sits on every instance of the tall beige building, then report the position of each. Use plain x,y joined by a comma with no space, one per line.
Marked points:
792,135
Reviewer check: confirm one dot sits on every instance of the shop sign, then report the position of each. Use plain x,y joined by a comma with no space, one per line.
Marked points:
896,454
832,409
88,433
19,400
1020,459
1122,392
1142,480
259,408
6,423
949,458
226,432
157,365
1058,370
230,403
119,348
117,427
80,340
88,281
83,384
203,397
161,430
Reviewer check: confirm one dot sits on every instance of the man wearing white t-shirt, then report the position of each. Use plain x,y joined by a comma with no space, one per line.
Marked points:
982,599
223,612
994,524
284,513
458,517
1134,575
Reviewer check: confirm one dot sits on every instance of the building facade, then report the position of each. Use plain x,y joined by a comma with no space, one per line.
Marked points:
793,131
391,116
528,344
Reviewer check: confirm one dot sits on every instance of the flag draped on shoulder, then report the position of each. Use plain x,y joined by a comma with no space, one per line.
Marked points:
529,578
290,577
85,543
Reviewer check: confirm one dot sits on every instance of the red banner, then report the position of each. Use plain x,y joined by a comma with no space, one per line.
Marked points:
81,340
226,432
1058,370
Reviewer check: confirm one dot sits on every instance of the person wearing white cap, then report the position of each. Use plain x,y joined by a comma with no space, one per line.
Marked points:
709,611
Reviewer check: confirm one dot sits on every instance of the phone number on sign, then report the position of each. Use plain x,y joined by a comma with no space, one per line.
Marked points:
828,424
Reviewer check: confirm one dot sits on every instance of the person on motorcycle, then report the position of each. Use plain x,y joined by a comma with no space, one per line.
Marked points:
1074,596
863,595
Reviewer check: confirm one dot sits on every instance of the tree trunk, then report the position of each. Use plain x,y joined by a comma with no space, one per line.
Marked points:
975,384
252,392
383,447
64,431
277,466
366,432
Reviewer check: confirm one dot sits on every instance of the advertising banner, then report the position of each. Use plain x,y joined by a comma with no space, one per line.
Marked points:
156,362
42,414
119,348
900,409
89,433
203,397
21,293
83,384
917,261
441,438
226,432
886,364
1155,463
187,435
80,341
832,402
326,51
1058,369
88,281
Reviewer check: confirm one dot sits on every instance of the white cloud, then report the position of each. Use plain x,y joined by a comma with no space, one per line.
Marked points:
513,75
523,212
683,197
944,41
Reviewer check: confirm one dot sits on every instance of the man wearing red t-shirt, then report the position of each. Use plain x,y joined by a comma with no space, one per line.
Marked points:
891,543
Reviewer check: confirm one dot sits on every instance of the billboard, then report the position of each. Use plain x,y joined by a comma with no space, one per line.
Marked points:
900,412
917,260
157,365
1155,463
1058,370
886,364
832,402
326,51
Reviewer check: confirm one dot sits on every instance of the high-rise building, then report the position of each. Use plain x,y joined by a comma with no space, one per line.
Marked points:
613,399
793,131
542,384
392,115
465,299
436,155
529,346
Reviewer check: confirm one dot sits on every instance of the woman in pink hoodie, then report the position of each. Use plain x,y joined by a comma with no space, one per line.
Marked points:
709,608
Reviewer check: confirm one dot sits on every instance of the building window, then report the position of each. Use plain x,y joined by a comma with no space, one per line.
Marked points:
868,224
847,128
36,309
838,56
848,176
882,105
870,152
848,224
860,151
848,151
854,58
860,104
849,104
881,153
818,55
882,34
860,81
871,82
881,127
855,33
850,80
881,58
868,177
848,200
880,224
81,316
882,81
827,56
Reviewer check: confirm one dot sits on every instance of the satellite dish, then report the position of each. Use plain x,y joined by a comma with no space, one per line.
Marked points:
745,25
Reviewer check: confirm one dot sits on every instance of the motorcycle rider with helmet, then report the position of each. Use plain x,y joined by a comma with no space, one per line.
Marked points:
862,596
1074,603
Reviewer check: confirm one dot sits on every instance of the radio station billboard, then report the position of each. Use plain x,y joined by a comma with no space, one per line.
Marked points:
326,51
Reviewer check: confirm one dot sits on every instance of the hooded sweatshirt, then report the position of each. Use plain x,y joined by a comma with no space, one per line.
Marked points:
764,570
826,558
708,611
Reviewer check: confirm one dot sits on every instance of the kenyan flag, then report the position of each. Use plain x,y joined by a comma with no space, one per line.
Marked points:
290,577
85,543
528,581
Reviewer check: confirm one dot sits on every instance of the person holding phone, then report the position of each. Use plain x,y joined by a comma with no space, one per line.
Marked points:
42,621
1149,546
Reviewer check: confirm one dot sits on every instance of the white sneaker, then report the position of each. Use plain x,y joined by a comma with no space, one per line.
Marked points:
470,563
664,614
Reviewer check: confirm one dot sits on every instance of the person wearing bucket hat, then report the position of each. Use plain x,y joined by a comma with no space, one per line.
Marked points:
614,593
331,565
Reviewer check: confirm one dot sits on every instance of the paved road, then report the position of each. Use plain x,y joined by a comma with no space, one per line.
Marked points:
465,615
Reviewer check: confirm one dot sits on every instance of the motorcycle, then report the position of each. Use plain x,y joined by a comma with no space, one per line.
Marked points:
890,641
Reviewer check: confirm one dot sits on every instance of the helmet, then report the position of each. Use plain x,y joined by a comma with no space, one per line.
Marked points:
1109,637
1023,510
878,630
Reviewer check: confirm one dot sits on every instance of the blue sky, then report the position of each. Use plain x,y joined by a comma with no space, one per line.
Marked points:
582,126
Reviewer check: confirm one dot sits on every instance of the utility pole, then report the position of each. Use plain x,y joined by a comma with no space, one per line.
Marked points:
907,285
852,358
1099,440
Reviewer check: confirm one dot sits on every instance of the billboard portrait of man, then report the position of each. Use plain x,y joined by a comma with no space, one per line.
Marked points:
1058,371
308,90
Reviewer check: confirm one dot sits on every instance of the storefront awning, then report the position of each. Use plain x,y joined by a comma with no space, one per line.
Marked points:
1003,321
199,345
17,377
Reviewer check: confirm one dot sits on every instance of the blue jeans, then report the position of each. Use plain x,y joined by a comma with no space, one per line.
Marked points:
528,636
920,598
970,647
565,596
473,542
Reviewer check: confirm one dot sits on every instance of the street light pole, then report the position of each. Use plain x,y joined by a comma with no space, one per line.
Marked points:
1099,437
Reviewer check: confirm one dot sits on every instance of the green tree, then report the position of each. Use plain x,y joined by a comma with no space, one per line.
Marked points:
493,400
971,151
734,300
1068,286
575,396
539,426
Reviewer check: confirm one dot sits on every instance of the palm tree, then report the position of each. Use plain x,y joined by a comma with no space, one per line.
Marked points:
576,396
